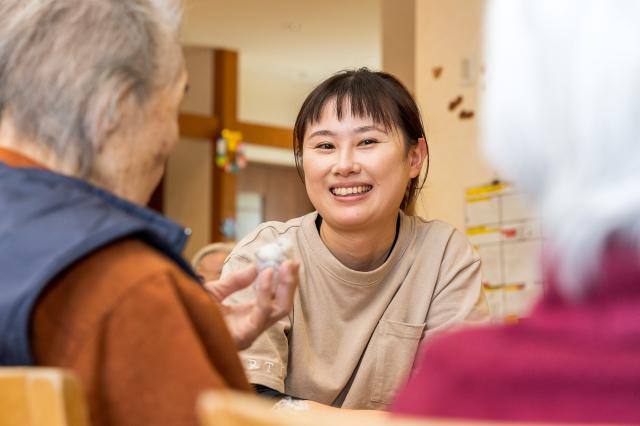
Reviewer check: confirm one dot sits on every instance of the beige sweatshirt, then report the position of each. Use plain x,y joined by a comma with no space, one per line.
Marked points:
352,337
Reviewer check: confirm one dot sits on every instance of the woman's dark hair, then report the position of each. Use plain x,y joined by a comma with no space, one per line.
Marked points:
366,93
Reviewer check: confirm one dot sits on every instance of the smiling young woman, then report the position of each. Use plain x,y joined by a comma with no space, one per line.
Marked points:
375,281
356,174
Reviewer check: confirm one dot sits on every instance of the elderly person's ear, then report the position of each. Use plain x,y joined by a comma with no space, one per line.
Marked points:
109,112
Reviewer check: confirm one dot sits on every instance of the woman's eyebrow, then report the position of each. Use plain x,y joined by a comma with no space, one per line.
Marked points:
322,133
364,129
361,129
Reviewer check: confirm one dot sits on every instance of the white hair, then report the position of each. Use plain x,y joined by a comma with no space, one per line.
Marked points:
562,119
64,64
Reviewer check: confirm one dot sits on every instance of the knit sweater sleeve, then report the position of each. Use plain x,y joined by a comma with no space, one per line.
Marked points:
144,355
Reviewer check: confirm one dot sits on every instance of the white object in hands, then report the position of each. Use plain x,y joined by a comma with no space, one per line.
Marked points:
288,403
273,254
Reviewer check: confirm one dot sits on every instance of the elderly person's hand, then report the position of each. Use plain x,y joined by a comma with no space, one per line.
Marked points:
247,320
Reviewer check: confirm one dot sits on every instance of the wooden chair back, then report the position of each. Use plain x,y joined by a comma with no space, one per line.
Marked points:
38,396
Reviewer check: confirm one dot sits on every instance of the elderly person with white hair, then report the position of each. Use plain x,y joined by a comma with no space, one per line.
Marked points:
90,280
562,120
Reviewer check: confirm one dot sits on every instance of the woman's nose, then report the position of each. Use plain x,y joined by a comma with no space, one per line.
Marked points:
346,164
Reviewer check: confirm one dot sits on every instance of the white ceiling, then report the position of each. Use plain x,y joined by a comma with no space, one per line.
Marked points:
286,46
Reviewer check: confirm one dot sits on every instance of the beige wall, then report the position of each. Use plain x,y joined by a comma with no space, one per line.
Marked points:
269,98
448,33
187,185
399,40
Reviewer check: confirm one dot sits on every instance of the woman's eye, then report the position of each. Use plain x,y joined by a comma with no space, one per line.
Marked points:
368,142
325,145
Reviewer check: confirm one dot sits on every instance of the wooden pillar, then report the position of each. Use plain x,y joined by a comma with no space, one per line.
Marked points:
225,107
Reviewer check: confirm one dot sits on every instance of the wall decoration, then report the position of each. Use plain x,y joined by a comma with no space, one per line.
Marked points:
466,114
508,239
230,151
454,103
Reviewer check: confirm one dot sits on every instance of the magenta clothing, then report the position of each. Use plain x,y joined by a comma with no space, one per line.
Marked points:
567,362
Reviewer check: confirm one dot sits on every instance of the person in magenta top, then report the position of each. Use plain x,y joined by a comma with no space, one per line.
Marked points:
562,120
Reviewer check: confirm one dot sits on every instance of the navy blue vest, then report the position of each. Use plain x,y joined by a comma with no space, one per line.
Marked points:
48,222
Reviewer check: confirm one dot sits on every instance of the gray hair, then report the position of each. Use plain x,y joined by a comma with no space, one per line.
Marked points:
64,64
562,118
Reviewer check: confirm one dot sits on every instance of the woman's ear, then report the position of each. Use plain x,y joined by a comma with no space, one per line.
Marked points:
417,154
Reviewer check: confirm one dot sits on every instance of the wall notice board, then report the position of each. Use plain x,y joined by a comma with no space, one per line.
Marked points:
508,238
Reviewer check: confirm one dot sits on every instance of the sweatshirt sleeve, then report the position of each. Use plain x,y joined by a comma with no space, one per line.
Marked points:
458,297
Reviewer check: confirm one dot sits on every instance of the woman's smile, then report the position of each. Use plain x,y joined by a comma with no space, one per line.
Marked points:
350,191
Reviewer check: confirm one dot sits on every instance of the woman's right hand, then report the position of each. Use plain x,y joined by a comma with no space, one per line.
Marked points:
246,321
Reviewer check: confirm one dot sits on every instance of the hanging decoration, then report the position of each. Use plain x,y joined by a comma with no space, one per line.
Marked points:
230,151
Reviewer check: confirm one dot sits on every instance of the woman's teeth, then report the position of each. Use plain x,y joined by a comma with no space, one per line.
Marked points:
351,191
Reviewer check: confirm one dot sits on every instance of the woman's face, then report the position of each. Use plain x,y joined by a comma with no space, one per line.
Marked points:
356,171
